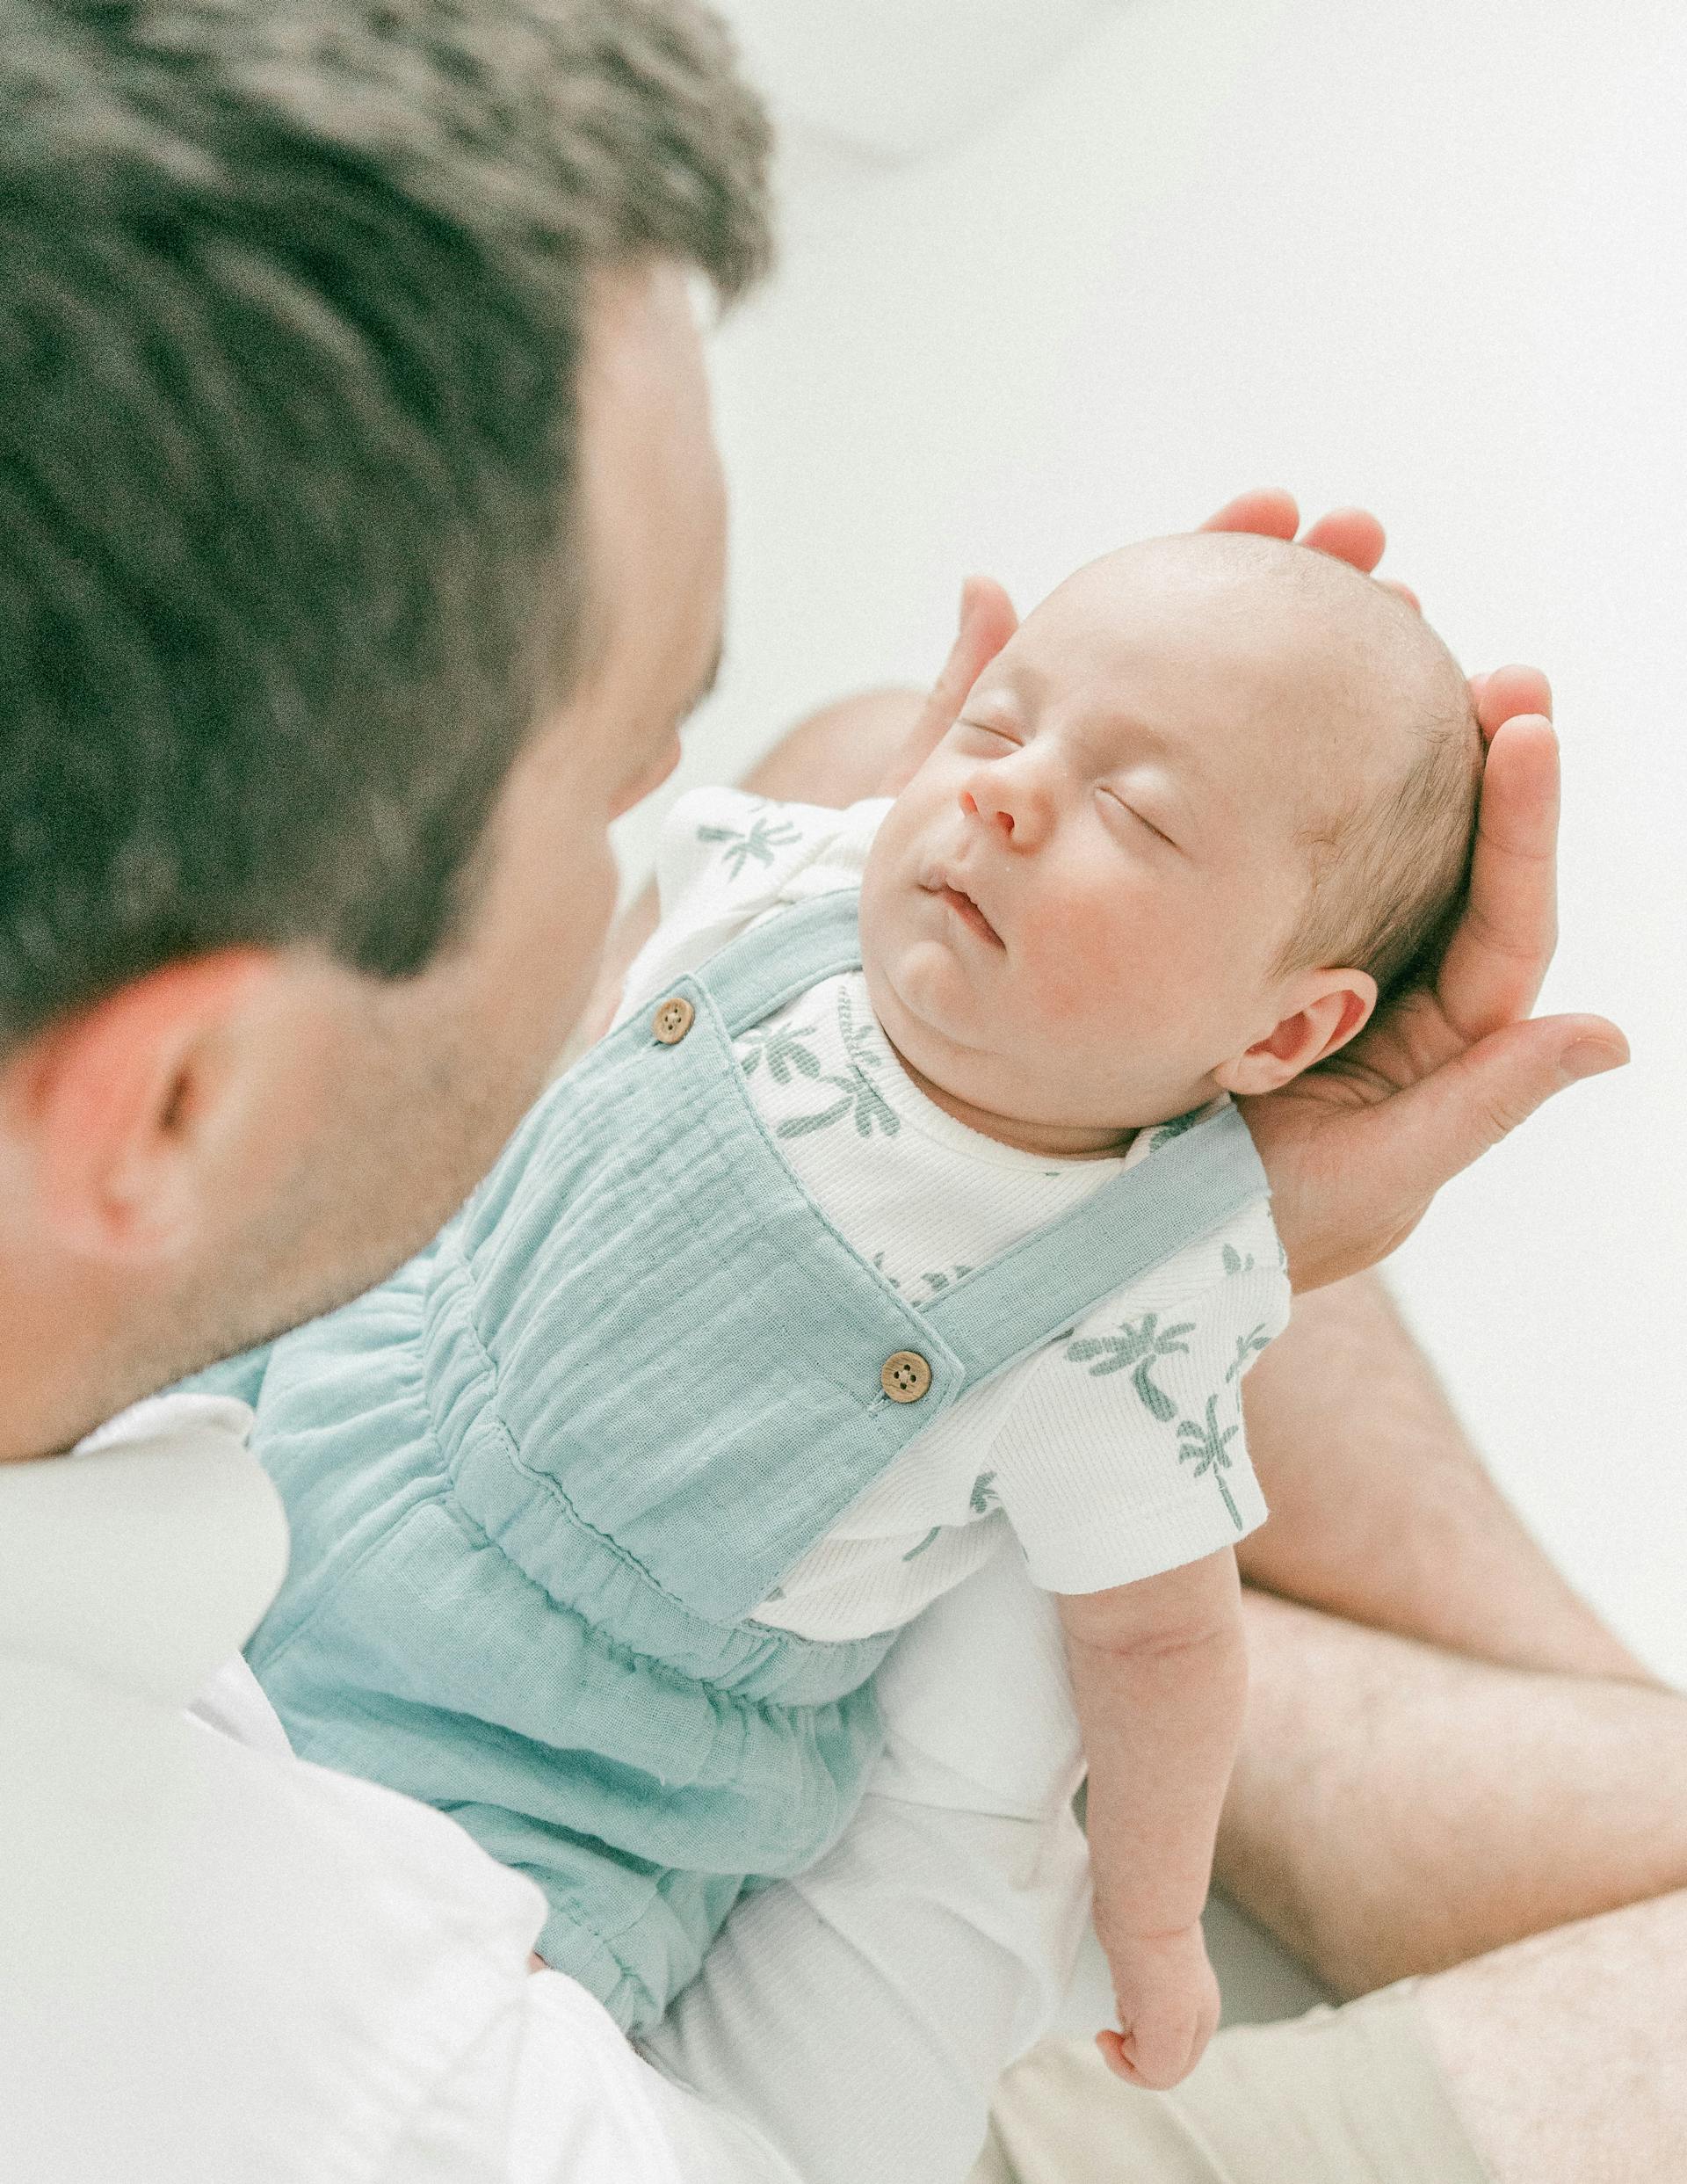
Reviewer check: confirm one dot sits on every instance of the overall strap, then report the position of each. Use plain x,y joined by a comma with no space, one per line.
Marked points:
773,963
1185,1190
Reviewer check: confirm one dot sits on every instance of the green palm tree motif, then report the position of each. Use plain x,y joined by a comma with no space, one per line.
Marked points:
1134,1349
860,1096
1175,1127
765,836
782,1048
921,1546
1249,1346
934,1282
1208,1449
1234,1263
984,1496
856,1097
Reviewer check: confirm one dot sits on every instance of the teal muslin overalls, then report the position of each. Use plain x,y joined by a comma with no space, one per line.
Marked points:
539,1480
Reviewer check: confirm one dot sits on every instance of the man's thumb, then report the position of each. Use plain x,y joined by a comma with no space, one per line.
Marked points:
1464,1109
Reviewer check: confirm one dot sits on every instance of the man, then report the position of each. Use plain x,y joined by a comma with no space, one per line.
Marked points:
363,555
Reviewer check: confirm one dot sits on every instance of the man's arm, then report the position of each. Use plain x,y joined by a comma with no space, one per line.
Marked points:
1382,1511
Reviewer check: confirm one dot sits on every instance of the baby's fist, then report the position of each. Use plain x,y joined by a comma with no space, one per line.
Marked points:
1167,2007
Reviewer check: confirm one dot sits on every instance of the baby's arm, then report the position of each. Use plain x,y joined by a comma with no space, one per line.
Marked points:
1159,1674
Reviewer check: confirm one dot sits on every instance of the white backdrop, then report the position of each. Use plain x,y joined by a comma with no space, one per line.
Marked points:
1428,258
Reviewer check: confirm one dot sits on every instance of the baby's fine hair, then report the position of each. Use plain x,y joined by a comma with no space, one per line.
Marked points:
1391,867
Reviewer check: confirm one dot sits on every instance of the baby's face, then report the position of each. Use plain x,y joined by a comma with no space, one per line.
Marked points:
1071,915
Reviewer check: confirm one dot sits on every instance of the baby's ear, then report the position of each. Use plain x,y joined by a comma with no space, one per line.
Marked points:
1328,1008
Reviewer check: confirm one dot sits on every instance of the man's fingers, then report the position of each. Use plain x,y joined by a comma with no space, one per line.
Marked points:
1402,591
1351,534
987,621
1268,512
1506,692
1496,959
1411,1144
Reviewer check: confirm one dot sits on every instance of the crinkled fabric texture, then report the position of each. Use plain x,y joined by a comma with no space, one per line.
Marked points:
539,1480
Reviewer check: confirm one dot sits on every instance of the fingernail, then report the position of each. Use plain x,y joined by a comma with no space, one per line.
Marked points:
1587,1058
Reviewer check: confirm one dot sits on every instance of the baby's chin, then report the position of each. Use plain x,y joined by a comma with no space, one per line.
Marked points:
978,1072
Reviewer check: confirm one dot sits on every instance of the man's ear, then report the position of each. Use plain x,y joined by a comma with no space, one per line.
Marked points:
1329,1007
987,621
116,1106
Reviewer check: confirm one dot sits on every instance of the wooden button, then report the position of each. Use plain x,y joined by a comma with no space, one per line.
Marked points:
673,1020
906,1376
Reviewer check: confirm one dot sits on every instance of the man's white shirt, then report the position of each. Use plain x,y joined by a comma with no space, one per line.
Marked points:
219,1963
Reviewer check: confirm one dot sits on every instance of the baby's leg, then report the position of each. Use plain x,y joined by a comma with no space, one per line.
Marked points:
860,2016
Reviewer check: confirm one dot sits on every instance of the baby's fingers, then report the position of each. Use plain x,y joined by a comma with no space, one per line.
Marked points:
1156,2057
1112,2053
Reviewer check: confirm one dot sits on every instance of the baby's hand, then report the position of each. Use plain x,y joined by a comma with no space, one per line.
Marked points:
1168,2003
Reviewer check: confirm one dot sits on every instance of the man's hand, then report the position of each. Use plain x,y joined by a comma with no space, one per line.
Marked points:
1357,1149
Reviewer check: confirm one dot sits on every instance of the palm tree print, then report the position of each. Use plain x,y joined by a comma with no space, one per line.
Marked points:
920,1547
1175,1127
1234,1263
984,1496
1135,1349
859,1097
763,836
781,1048
1208,1449
1247,1346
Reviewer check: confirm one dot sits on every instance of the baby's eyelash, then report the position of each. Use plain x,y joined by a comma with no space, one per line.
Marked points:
978,728
1138,815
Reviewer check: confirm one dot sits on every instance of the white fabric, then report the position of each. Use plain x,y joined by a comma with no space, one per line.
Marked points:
1093,1466
221,1965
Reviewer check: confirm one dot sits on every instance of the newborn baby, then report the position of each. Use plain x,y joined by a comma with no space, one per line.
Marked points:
904,1206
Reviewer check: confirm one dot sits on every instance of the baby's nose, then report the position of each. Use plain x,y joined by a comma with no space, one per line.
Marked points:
992,811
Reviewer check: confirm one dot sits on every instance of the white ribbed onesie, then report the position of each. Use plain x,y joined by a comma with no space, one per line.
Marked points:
1112,1455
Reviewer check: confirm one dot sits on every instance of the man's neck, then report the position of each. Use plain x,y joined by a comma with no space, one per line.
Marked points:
65,1367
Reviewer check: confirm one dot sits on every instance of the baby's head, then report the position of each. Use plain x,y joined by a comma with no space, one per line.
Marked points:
1215,794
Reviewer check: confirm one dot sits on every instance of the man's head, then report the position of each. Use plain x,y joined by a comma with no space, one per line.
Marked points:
1212,796
362,553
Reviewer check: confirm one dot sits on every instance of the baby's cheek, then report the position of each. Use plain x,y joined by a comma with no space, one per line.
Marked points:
1114,964
1078,972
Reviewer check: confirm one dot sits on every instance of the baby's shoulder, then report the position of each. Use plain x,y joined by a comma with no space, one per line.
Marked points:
1201,1295
727,842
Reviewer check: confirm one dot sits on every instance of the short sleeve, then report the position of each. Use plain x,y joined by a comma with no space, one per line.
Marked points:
1125,1453
724,859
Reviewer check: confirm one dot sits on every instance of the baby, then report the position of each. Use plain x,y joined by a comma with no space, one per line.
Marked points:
904,1204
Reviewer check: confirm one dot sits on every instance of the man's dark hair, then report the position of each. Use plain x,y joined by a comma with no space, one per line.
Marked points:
292,298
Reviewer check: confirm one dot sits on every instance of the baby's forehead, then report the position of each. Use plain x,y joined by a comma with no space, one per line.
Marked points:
1267,660
1225,580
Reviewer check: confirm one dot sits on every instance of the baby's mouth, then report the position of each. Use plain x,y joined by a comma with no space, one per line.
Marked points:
968,912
